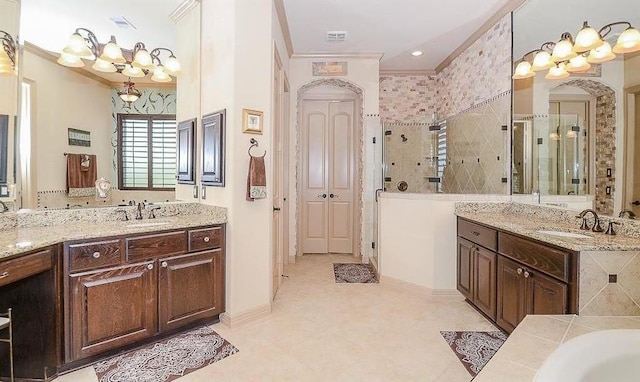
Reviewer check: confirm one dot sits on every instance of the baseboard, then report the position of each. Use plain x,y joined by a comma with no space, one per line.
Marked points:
245,317
292,259
374,264
434,294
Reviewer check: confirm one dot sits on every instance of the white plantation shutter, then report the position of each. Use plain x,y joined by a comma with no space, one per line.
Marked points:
147,148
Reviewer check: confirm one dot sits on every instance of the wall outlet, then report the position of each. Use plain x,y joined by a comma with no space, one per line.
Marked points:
204,192
608,173
608,190
195,192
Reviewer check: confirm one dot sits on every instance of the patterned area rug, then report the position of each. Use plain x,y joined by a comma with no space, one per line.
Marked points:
168,359
474,349
354,273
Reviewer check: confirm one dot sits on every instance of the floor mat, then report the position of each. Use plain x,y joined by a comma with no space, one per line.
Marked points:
167,359
474,349
354,273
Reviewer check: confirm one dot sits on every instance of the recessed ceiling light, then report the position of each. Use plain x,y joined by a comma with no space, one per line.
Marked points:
417,53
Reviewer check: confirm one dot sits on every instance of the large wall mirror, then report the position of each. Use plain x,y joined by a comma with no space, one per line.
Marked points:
578,135
64,105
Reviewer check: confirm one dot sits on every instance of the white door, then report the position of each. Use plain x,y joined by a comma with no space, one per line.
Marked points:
328,176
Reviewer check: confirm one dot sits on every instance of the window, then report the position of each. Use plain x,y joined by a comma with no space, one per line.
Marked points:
146,152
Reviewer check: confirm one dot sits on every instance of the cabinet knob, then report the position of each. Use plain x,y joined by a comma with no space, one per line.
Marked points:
519,271
149,266
96,255
164,264
206,239
526,274
4,275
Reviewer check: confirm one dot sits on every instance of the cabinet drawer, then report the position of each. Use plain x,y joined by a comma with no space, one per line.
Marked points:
206,238
23,267
156,245
94,255
478,234
540,257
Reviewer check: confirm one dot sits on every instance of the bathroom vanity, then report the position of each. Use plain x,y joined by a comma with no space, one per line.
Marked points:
80,292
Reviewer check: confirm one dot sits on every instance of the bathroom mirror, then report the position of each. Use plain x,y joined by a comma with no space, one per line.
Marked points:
60,100
575,136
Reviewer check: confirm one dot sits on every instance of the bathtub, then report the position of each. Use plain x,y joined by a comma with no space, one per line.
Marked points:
602,356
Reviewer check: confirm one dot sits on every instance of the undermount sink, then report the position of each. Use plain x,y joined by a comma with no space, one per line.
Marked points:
565,234
147,224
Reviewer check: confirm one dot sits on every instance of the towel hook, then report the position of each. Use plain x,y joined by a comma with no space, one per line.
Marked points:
254,143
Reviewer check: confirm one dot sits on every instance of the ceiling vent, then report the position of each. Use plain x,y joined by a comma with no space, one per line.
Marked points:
336,36
122,23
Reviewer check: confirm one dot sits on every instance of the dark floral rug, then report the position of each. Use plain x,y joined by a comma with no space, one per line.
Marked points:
474,349
354,273
168,359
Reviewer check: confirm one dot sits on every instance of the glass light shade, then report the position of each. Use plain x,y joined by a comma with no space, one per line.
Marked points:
143,60
77,46
129,97
554,136
112,53
563,51
129,93
6,68
523,70
558,72
172,66
103,66
542,61
629,41
578,64
601,54
131,71
587,39
159,75
70,60
571,134
4,57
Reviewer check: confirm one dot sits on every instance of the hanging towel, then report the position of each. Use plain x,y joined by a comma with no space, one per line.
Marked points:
257,179
81,175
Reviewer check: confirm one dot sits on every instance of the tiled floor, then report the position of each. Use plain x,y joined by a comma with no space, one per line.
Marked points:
323,331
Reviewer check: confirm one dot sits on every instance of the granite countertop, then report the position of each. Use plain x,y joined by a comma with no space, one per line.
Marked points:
528,222
18,240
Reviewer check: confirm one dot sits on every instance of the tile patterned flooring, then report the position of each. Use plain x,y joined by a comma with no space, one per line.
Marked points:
321,330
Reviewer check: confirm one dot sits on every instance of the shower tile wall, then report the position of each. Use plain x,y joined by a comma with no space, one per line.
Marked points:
406,99
476,155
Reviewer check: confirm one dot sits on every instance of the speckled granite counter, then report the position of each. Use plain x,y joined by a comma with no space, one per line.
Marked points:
527,220
26,231
536,337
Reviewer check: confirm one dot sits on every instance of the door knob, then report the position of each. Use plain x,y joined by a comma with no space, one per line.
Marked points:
276,208
164,264
636,202
526,274
150,266
323,196
519,271
333,196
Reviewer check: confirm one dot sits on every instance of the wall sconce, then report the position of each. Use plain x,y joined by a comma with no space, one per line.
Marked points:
576,55
110,58
7,54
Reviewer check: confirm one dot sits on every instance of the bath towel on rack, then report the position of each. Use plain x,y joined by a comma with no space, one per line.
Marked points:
81,175
257,179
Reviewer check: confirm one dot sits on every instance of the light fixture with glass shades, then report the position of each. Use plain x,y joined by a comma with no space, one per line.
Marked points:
7,54
111,58
570,55
129,93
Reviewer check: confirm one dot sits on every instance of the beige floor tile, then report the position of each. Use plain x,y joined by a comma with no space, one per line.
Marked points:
545,327
526,349
320,330
501,370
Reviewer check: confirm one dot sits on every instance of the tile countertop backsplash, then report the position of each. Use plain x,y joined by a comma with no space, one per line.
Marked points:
27,230
527,220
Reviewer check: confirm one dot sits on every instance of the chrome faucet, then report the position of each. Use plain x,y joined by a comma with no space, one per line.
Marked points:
4,207
139,211
629,213
585,225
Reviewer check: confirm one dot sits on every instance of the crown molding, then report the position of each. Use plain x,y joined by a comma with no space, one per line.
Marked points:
507,8
284,26
393,72
377,56
182,9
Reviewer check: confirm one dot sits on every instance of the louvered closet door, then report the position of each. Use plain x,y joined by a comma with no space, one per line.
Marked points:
328,176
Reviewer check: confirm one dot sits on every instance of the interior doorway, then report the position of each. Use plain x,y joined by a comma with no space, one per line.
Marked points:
328,200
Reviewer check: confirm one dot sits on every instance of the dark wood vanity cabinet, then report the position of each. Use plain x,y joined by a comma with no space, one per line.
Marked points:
477,266
521,277
140,286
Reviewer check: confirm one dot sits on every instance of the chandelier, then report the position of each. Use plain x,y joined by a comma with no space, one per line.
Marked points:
576,55
110,58
7,54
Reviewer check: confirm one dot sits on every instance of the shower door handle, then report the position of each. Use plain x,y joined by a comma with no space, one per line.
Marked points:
378,191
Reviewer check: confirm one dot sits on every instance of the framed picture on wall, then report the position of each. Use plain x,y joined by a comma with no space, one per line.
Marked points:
251,121
186,148
213,148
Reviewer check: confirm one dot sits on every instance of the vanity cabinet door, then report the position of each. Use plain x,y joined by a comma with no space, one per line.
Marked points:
511,294
484,281
190,288
465,268
111,308
545,295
